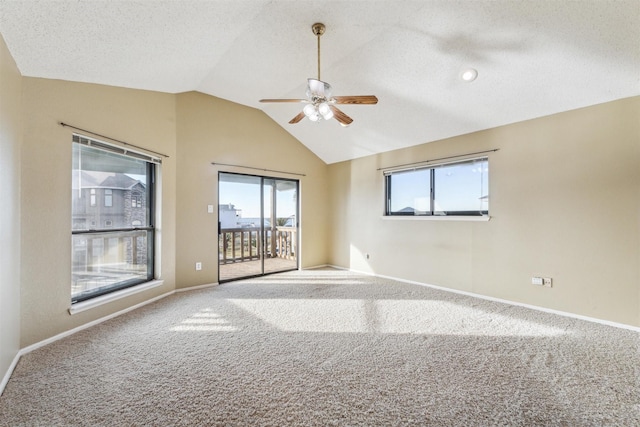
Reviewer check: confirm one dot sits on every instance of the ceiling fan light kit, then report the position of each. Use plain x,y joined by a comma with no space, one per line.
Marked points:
320,102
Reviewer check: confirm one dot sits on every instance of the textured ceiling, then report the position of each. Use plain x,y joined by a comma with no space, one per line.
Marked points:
534,58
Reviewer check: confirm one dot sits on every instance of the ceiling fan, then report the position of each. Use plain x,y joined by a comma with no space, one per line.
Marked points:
320,102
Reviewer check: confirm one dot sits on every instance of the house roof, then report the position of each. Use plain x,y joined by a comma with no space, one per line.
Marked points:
95,179
533,58
120,181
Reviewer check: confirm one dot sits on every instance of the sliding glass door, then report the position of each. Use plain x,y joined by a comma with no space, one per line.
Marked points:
258,225
240,226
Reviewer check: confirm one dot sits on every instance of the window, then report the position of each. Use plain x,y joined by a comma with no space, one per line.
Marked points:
460,188
136,201
108,198
118,255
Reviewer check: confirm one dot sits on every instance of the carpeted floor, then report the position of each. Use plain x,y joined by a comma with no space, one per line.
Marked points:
326,347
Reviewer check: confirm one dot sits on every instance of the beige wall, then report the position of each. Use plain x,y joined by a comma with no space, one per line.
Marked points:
565,203
143,118
10,137
214,130
194,130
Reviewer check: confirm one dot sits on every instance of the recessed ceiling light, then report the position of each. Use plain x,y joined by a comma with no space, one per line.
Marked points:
469,75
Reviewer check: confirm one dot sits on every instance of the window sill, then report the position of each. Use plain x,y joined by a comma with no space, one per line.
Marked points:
482,218
104,299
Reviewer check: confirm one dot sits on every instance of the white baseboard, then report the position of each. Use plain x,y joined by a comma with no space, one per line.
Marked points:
193,288
315,267
54,338
364,273
42,343
519,304
9,372
500,300
65,334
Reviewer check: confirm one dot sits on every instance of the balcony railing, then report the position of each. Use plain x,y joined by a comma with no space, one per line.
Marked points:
243,244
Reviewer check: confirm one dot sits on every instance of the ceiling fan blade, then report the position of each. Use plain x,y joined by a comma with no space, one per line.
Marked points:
297,118
340,116
356,99
283,100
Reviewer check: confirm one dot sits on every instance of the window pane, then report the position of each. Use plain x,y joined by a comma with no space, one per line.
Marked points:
108,198
111,195
410,192
121,181
108,261
462,188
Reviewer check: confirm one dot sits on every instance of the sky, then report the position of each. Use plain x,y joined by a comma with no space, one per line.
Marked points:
458,187
246,196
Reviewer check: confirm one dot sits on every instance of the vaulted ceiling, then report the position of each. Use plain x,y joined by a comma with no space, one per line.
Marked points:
533,58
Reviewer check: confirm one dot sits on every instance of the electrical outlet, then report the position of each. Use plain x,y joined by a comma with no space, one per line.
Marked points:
198,266
547,282
538,281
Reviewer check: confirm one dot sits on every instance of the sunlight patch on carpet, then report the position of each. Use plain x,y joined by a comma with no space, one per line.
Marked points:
205,320
389,317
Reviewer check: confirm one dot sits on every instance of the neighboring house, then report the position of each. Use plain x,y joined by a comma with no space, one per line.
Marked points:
104,200
409,210
229,216
107,200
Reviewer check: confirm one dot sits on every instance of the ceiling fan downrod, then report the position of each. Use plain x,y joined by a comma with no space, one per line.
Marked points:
318,29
